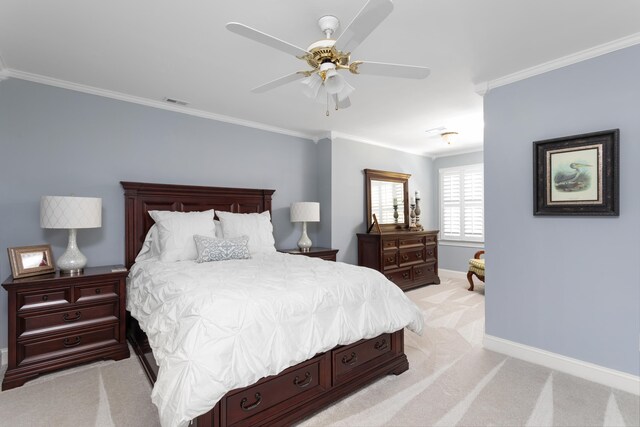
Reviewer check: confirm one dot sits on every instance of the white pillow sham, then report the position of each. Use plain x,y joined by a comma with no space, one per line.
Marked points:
151,246
176,231
255,225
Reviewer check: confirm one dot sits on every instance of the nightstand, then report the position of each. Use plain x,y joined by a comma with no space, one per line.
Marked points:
324,253
61,321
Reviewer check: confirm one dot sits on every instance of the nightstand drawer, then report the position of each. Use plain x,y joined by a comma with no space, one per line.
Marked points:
45,298
46,349
96,291
39,323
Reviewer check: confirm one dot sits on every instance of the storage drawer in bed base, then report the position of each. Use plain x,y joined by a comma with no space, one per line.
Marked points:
300,390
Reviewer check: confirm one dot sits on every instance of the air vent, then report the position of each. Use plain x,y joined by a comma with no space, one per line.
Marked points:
176,101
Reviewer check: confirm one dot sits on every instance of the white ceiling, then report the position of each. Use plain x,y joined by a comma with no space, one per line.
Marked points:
154,49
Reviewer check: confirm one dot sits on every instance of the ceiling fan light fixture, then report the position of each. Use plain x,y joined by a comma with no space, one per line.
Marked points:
312,85
449,137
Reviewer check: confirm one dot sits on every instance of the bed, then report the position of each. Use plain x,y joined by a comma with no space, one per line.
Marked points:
297,391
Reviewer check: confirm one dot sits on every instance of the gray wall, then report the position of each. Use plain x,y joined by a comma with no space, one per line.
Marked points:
324,194
59,142
453,256
349,159
567,285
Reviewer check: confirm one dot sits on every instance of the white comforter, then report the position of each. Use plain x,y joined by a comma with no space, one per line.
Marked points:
217,326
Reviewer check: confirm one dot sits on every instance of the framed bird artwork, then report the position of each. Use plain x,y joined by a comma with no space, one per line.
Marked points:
577,175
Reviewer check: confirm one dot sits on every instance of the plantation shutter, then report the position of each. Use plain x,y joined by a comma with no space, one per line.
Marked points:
462,203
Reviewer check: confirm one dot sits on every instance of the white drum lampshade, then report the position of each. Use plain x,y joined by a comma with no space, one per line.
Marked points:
305,212
68,212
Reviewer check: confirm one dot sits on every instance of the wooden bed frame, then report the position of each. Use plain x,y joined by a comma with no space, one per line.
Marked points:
300,390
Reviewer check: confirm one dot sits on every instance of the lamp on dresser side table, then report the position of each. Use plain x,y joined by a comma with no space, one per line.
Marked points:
324,253
62,321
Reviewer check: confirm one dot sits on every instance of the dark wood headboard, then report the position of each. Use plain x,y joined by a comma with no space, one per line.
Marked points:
140,198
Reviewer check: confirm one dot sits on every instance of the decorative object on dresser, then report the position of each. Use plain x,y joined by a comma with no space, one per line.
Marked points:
417,211
71,213
31,261
305,212
315,252
58,321
387,194
298,391
408,258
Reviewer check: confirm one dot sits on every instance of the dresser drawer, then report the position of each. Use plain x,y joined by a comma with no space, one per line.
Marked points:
430,252
299,384
96,291
390,260
46,349
30,324
424,271
46,298
411,241
413,256
400,276
389,244
352,358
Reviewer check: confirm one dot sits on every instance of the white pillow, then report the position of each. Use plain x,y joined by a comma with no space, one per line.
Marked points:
151,246
255,225
176,231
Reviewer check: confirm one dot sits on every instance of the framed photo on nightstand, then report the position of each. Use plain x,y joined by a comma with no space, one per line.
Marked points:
31,260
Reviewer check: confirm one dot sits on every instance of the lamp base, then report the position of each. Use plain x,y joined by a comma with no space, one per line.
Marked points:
72,261
305,242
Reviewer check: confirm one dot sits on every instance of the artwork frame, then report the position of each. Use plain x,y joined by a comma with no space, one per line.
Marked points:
29,261
577,175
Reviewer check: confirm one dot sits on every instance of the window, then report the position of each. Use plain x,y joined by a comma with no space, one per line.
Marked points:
462,203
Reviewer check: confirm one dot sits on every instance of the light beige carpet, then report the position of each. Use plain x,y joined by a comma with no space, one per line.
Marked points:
452,381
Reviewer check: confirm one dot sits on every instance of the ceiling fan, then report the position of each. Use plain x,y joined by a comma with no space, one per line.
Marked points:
328,56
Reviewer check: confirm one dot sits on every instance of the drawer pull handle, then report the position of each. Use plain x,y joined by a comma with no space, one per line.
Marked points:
69,343
67,318
307,380
98,291
430,253
419,255
45,297
390,259
405,257
389,277
405,275
381,345
350,360
253,406
418,271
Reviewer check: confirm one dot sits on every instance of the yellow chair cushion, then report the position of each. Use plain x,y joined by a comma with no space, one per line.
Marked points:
477,263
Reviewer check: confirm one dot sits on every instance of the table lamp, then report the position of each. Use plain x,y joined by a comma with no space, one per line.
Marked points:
305,212
68,212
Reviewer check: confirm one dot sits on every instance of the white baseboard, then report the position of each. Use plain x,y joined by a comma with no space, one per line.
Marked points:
452,274
4,357
589,371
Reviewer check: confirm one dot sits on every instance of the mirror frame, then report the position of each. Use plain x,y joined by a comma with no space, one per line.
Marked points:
378,175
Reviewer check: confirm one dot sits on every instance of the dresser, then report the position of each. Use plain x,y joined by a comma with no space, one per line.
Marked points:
408,258
61,321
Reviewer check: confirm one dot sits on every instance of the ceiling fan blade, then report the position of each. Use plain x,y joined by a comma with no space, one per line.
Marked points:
369,17
279,82
266,39
389,70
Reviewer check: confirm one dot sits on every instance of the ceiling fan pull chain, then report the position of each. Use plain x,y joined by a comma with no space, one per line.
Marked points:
327,105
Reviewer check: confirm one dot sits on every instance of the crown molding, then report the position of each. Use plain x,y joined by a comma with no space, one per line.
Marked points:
336,134
36,78
624,42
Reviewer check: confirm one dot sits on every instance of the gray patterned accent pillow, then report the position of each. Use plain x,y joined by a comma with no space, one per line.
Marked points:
213,249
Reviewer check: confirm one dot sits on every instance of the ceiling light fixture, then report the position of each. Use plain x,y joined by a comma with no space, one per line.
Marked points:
449,137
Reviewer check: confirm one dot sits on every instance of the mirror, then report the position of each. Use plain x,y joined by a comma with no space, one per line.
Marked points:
384,190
